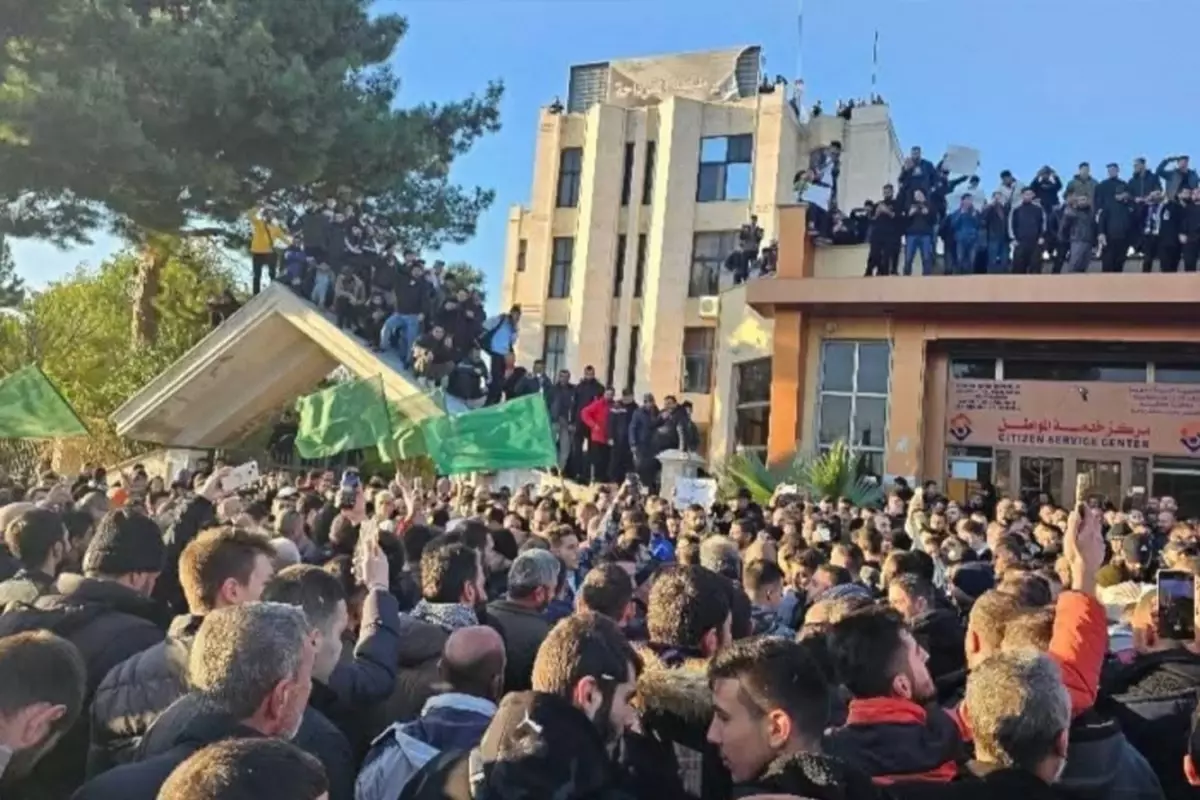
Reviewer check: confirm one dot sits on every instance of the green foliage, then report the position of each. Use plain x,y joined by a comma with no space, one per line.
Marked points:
838,472
12,288
466,276
164,118
77,331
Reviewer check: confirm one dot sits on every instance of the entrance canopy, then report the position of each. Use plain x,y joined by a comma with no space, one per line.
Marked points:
274,349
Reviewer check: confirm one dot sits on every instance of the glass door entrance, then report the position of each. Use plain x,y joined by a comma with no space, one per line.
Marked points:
1105,479
1040,475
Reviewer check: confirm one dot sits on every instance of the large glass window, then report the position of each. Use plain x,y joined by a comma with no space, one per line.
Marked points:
570,175
1176,373
1112,372
752,412
1179,478
698,359
560,266
554,348
976,369
724,168
709,251
619,272
853,397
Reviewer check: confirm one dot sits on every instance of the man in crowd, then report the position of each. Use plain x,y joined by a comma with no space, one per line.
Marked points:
641,441
251,667
1046,185
221,567
885,233
1116,225
1027,229
108,615
1110,187
42,694
1077,231
560,404
472,668
607,590
532,580
498,340
1177,178
586,392
966,223
39,541
247,769
412,301
620,417
935,627
1083,184
594,417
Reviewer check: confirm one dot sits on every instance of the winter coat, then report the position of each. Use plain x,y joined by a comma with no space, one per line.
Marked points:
537,746
25,587
523,630
979,781
620,417
197,515
966,225
1078,225
560,402
1084,186
1141,184
1176,179
1026,223
811,775
108,623
941,634
995,223
595,416
1046,190
766,622
1103,765
920,220
1107,192
675,701
135,692
588,390
1153,699
641,430
895,740
1116,221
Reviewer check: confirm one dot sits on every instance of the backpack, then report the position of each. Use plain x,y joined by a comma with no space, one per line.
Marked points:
394,758
488,334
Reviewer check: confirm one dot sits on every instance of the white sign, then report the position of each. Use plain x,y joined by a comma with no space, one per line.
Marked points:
964,470
961,160
695,491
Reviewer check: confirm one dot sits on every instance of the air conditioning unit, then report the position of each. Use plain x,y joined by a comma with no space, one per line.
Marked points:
710,307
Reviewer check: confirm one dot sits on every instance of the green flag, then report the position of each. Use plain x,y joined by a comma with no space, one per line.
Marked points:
31,408
513,435
349,416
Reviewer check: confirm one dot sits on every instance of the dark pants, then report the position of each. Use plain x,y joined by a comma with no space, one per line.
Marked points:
1149,252
258,261
346,312
1025,258
499,364
1191,253
646,466
620,461
598,455
882,257
1169,251
1113,258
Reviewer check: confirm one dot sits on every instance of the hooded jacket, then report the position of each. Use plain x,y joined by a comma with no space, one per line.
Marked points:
675,701
896,740
811,775
1153,700
538,746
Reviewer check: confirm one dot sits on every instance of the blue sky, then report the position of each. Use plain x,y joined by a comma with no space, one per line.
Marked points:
1027,82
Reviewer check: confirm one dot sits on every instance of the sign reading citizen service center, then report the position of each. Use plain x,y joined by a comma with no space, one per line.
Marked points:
1150,418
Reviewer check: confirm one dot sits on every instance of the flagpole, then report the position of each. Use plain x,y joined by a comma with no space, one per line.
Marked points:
875,64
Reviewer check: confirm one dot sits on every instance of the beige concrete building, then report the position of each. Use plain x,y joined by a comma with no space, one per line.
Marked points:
640,186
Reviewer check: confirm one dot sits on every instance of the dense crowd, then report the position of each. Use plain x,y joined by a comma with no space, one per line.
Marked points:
308,637
1019,228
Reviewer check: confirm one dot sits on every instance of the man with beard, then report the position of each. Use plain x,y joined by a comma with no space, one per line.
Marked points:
586,392
620,416
936,628
894,730
771,705
557,740
251,668
641,441
1116,224
41,696
532,579
38,540
885,233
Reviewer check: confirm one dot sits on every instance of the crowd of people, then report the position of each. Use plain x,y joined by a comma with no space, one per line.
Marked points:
1021,228
308,637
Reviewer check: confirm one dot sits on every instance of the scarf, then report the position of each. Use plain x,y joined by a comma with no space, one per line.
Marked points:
448,616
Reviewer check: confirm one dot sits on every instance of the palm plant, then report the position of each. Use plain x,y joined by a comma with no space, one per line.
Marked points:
837,472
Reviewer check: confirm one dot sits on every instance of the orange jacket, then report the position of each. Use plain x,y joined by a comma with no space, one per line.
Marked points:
1077,644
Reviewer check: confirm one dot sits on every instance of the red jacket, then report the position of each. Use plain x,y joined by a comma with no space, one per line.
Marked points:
595,416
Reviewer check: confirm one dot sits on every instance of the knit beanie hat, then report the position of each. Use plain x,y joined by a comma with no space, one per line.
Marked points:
125,542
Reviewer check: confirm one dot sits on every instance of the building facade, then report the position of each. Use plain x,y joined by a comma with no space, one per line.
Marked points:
640,185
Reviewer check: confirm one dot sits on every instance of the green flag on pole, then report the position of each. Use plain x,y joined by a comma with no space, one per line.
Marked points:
512,435
31,408
350,416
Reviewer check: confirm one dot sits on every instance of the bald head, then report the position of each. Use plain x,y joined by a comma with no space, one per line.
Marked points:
473,662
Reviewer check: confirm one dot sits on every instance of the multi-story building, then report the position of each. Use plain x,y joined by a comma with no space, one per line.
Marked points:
640,186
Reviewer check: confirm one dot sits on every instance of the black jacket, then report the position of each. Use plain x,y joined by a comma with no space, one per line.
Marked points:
523,630
108,622
1027,223
587,391
1172,218
1191,220
979,781
1142,184
1116,221
1046,190
620,416
641,430
413,295
135,692
25,587
995,222
812,775
1153,699
1108,190
886,229
1103,765
175,740
941,634
560,402
197,515
920,221
537,746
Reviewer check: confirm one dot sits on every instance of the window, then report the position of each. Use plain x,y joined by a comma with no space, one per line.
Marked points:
1110,372
560,266
709,251
554,348
724,168
619,272
627,174
1176,373
522,251
853,398
612,356
648,175
977,369
698,360
635,335
752,412
639,267
570,173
